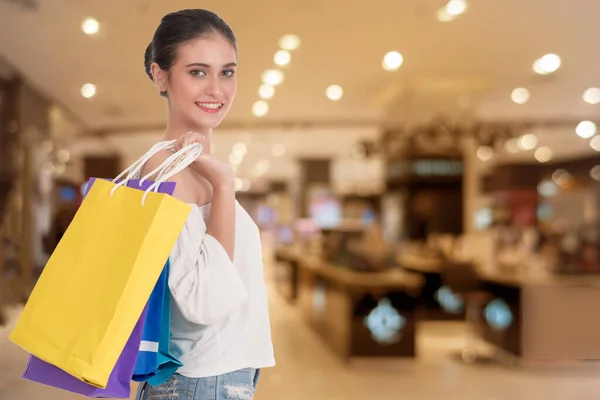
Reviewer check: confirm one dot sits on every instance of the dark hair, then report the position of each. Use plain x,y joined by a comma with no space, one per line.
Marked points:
180,27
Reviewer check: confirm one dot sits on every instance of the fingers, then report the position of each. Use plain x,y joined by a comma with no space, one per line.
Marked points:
189,138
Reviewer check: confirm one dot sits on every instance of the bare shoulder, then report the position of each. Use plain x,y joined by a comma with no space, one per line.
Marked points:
154,162
184,190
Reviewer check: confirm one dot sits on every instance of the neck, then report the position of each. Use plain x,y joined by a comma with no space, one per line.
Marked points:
177,127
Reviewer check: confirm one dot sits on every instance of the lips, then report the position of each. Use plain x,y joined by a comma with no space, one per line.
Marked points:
210,107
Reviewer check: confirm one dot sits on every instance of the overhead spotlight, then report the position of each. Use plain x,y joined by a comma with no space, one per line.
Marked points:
239,184
512,146
456,7
63,156
586,129
485,153
528,142
334,92
543,154
278,150
260,108
392,61
443,16
289,42
592,95
240,148
595,143
272,77
547,64
88,90
282,58
235,159
266,91
90,26
520,95
595,173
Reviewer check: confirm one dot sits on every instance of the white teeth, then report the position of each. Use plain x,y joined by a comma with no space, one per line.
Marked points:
210,105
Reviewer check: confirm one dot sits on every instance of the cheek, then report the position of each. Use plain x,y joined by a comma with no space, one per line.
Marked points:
231,88
185,88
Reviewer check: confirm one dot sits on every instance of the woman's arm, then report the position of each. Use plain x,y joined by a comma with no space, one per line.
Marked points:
221,224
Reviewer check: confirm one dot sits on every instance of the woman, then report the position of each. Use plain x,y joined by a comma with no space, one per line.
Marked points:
220,327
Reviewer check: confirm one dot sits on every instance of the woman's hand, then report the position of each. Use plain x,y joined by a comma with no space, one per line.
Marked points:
217,173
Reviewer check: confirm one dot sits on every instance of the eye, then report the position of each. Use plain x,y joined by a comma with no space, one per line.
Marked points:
228,73
197,72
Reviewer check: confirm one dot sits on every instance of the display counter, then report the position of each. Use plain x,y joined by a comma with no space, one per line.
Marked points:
431,270
359,314
542,318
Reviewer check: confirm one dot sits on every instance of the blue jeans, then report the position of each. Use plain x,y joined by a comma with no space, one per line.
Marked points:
237,385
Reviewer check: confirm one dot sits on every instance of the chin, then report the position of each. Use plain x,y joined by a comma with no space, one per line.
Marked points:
208,123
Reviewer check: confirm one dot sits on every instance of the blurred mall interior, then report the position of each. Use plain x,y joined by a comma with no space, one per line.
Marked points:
425,175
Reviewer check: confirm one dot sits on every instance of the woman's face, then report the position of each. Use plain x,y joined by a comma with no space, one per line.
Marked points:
202,82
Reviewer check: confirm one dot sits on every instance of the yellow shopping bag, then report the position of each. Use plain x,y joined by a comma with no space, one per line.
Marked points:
98,280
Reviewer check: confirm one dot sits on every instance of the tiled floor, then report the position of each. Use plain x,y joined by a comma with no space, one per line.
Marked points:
307,370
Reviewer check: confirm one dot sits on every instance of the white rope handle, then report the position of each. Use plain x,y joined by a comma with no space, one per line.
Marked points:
172,166
134,169
137,166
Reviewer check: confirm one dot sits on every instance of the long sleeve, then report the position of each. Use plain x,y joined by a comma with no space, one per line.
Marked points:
203,280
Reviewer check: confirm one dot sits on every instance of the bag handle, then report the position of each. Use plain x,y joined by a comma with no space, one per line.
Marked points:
173,165
137,166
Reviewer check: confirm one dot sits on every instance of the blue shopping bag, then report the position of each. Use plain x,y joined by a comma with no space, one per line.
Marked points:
155,363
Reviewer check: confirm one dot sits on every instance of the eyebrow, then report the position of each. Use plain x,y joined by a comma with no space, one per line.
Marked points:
228,65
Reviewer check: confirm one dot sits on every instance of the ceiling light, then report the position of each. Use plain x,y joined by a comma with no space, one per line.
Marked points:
560,176
90,26
63,156
272,77
282,57
240,149
289,42
485,153
88,90
456,7
334,92
443,16
278,150
239,184
260,167
245,185
595,173
512,146
592,95
392,61
260,108
528,142
520,95
586,129
235,159
547,64
266,91
595,143
543,154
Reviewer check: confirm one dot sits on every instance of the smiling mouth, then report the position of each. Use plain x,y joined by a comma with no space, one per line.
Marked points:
210,106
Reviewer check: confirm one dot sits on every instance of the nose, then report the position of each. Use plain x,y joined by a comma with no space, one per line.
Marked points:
213,88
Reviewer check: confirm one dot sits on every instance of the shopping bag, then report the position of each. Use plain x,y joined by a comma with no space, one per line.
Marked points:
95,285
155,363
119,381
118,385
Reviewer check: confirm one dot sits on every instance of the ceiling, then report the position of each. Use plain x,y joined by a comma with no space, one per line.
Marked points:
468,66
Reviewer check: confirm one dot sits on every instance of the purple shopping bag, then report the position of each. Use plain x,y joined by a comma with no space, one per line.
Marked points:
119,381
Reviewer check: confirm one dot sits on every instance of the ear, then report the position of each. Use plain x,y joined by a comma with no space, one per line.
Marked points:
159,77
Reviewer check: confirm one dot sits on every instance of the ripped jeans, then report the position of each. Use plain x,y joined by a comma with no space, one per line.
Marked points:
237,385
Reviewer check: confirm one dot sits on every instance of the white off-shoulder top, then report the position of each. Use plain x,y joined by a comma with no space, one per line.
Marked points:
219,311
